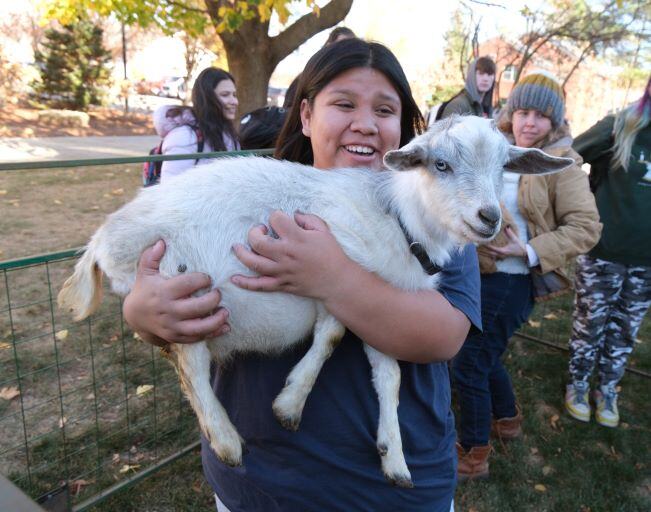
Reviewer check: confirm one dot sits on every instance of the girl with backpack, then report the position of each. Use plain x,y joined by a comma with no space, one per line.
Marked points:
205,127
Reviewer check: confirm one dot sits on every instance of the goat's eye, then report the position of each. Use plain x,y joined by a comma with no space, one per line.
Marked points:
442,165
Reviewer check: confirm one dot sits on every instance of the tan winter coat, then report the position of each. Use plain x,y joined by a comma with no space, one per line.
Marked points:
562,218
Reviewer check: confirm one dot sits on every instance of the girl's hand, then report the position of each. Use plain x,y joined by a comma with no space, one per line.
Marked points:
304,260
163,310
513,247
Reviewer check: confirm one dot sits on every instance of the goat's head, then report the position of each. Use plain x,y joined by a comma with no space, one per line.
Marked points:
460,162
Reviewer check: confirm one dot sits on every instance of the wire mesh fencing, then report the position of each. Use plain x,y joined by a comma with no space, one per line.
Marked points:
86,404
85,407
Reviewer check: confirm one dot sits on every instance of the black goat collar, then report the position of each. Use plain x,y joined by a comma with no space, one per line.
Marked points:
419,252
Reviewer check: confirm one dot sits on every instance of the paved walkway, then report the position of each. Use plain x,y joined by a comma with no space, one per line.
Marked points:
15,149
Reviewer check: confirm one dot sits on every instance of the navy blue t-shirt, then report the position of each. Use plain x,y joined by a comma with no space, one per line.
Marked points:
331,462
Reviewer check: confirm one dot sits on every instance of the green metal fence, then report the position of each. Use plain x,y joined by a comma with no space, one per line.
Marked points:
85,408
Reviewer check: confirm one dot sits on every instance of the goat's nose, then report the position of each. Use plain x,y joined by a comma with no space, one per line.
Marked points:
490,215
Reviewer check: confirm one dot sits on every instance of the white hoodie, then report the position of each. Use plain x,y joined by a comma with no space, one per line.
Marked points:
179,138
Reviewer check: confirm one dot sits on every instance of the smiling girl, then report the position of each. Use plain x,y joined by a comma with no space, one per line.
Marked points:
353,104
206,127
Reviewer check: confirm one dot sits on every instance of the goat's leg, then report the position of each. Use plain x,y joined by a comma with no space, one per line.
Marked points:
386,380
193,365
288,405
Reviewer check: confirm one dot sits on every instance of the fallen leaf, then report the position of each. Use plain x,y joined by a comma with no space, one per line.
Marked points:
534,450
3,345
116,458
638,341
109,174
62,421
95,207
3,192
540,487
624,425
127,171
115,337
56,201
133,449
61,335
554,420
117,191
129,467
9,392
533,323
550,316
143,389
106,196
77,485
90,396
136,336
546,470
196,485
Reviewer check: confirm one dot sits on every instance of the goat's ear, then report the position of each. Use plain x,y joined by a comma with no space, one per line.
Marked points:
534,161
407,158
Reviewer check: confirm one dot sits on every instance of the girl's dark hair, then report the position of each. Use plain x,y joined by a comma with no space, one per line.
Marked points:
338,32
327,64
209,111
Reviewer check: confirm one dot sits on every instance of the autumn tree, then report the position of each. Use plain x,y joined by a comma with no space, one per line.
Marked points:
242,26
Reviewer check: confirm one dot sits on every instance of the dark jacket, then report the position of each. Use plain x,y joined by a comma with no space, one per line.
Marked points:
623,196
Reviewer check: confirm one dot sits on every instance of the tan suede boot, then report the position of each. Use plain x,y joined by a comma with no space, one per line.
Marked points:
508,429
472,463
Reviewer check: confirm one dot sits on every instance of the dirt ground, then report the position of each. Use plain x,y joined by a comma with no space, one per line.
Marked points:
19,121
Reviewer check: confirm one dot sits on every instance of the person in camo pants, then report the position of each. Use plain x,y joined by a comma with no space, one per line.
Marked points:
613,281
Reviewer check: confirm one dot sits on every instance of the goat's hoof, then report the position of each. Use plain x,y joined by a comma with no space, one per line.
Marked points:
231,460
286,412
382,449
289,422
403,481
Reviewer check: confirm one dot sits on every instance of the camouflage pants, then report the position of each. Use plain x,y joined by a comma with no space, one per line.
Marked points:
611,301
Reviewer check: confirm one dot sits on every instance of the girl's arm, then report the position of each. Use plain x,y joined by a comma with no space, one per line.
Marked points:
163,310
306,260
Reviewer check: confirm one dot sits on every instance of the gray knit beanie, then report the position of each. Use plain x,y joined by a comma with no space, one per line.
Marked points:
538,91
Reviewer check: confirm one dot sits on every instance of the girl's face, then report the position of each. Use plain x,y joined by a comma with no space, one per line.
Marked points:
227,97
353,121
529,127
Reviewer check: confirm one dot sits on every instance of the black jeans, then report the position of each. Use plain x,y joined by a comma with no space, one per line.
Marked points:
483,385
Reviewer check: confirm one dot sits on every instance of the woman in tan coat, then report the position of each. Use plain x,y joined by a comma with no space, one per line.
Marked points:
548,220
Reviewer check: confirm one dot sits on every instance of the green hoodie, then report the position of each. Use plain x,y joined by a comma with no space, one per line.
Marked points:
623,197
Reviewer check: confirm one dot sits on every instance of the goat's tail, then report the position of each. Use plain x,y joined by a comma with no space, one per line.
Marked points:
82,292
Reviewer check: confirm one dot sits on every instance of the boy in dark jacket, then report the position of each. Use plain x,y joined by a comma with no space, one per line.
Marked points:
477,96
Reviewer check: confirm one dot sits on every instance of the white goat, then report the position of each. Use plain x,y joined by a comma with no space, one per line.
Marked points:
445,195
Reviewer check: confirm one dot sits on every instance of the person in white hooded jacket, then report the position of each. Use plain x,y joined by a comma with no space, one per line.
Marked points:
205,127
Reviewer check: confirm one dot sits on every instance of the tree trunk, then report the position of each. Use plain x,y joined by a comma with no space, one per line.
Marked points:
253,55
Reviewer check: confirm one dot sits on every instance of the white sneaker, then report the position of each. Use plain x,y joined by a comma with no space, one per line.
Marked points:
607,413
576,400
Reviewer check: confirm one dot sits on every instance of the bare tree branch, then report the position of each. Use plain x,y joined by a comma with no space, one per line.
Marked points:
306,26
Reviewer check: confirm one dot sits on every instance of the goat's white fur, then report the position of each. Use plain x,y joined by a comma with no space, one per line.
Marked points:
202,213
